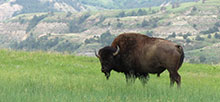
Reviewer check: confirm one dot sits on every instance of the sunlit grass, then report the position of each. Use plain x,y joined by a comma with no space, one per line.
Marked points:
51,77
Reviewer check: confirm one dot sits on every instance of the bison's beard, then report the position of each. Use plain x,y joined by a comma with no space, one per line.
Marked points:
107,75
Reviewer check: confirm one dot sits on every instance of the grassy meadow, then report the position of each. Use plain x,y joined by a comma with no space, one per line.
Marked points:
52,77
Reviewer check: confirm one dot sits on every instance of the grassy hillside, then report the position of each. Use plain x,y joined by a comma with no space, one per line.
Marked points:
35,6
83,32
51,77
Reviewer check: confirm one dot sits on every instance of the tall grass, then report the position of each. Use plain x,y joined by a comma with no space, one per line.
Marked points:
44,77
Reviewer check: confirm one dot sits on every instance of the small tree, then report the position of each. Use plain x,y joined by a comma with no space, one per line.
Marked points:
132,13
141,12
194,8
106,38
185,36
154,25
188,34
149,33
194,26
199,38
68,14
173,35
188,40
119,25
163,8
217,36
121,14
217,24
83,18
209,36
202,59
145,23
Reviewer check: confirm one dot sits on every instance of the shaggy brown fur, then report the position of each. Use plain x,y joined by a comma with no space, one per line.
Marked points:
140,55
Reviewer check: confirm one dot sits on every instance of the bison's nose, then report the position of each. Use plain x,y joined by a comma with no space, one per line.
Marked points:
103,70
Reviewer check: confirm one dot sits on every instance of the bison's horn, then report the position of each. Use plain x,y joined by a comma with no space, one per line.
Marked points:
97,55
117,51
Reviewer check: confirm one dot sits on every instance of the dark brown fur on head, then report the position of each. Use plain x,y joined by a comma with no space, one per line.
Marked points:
107,59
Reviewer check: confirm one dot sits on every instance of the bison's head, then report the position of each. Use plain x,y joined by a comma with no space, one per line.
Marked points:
106,56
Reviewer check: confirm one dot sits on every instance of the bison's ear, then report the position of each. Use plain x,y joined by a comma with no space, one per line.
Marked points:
117,51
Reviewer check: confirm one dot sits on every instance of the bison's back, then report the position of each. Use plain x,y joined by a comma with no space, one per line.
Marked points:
146,54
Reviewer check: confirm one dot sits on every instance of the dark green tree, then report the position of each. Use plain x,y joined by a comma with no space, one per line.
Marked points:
185,36
198,38
106,38
68,14
217,36
144,23
149,33
173,35
121,14
209,36
34,21
188,40
194,8
141,12
202,59
119,25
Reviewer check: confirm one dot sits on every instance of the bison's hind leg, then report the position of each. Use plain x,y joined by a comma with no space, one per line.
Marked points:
143,78
173,67
175,77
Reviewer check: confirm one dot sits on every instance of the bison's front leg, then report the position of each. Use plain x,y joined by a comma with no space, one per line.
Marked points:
130,78
143,78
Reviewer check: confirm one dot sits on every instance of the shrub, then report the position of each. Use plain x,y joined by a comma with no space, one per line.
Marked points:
149,33
194,26
185,36
106,38
173,35
119,25
217,36
199,38
209,36
144,23
202,59
141,12
121,14
210,30
188,40
34,21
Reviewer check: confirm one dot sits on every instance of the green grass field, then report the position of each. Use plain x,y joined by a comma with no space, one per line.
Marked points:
51,77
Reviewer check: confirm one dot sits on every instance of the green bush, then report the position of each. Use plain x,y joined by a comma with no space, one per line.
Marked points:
34,21
210,30
209,36
144,23
199,38
106,38
217,36
45,44
149,33
173,35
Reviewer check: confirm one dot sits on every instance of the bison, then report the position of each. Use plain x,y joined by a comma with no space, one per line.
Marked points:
137,55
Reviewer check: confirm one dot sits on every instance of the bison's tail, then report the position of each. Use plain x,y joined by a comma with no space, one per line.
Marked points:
180,50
